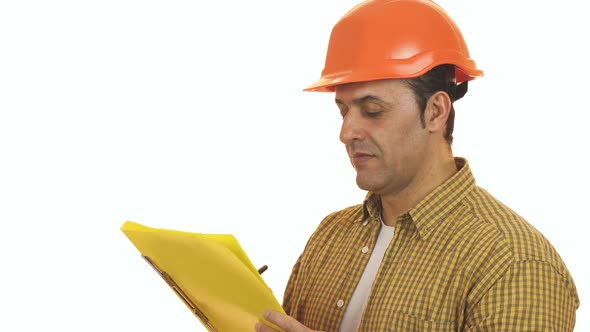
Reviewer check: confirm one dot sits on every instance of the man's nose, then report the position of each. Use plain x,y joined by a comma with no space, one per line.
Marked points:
352,128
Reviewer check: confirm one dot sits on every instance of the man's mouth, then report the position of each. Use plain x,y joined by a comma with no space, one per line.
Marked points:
358,158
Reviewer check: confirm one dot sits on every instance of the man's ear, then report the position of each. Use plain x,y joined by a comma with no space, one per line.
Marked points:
437,112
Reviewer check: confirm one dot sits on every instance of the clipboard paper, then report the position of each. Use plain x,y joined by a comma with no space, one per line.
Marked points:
210,273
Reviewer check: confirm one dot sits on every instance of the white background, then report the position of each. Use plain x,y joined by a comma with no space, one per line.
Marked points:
190,115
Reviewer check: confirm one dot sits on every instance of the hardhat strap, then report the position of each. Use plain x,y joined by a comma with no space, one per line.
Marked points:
458,90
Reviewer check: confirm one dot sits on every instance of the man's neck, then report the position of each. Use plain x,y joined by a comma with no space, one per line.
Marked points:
395,204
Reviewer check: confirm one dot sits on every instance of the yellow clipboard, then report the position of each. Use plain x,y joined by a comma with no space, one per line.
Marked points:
210,273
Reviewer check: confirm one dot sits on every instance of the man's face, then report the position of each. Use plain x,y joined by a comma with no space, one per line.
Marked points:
383,134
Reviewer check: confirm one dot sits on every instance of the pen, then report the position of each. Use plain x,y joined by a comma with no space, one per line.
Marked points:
262,269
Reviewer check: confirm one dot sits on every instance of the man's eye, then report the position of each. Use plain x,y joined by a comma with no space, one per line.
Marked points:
372,113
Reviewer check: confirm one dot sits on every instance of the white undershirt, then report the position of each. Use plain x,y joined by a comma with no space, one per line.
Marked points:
354,311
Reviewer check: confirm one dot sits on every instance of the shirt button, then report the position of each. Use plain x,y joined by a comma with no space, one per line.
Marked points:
365,249
340,303
365,222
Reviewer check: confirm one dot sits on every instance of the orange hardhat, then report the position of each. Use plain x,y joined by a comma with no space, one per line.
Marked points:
382,39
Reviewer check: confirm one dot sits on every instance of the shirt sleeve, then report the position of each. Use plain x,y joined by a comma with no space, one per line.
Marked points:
531,296
289,295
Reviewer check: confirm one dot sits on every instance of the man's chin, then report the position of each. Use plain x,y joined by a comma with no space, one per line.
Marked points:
366,185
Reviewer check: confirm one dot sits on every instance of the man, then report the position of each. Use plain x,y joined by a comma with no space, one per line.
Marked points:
427,250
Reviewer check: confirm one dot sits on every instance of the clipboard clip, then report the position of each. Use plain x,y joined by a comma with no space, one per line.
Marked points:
181,294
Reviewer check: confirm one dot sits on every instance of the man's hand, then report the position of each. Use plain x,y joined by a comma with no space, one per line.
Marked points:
287,323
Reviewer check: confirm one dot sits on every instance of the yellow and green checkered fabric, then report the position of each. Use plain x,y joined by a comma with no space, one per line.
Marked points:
459,261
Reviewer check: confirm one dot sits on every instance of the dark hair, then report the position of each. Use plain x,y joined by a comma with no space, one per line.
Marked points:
439,78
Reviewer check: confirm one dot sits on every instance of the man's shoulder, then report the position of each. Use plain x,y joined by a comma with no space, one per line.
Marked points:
529,248
523,239
333,226
346,215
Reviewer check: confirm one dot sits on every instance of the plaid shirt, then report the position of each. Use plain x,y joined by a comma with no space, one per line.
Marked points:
459,261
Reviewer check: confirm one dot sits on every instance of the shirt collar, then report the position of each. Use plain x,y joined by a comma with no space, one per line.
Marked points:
436,206
371,206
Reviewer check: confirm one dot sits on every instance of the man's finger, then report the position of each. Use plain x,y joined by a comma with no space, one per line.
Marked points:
259,327
287,323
